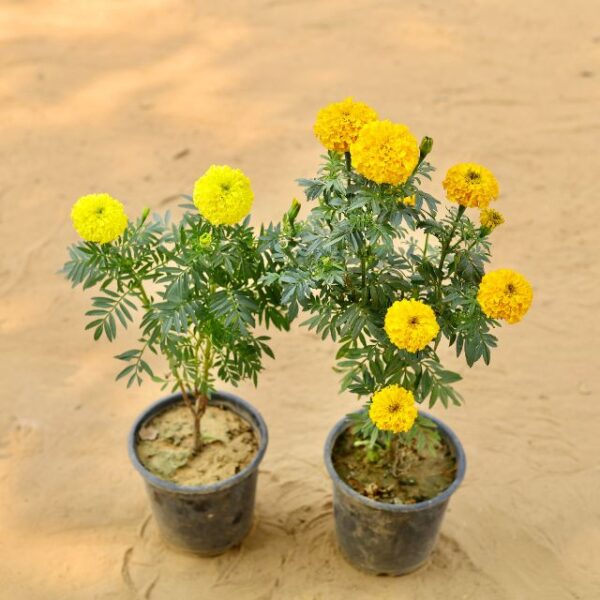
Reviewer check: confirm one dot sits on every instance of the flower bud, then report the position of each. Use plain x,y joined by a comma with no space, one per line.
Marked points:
145,214
425,147
326,261
205,240
292,213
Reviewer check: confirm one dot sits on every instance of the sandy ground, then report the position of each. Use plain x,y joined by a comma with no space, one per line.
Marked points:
137,98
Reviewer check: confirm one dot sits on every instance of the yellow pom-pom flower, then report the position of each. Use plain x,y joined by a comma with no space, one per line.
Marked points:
490,218
409,200
99,218
223,195
505,294
385,152
338,124
410,324
470,185
393,408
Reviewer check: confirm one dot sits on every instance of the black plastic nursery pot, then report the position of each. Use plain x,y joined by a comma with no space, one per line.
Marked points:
206,519
388,539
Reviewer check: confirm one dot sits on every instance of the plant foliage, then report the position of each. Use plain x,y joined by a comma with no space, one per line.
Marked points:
196,291
357,252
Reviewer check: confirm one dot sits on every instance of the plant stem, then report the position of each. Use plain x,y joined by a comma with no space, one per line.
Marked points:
196,415
470,247
363,279
197,380
207,360
197,433
186,397
348,171
395,448
143,295
426,246
444,252
202,396
348,158
446,245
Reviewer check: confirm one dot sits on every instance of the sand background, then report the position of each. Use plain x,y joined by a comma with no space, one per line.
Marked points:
137,98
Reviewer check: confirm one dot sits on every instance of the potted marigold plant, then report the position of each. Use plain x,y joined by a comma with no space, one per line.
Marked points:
195,287
389,276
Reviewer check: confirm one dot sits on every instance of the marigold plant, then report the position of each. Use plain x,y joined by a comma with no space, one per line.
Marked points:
390,273
194,288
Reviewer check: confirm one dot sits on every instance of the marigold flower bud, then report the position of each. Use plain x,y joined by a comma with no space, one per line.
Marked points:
425,147
292,213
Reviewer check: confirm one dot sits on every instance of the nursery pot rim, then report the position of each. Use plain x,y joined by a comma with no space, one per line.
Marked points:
461,465
217,398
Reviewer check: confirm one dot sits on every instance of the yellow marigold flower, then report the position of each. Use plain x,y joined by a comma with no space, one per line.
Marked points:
338,124
393,408
223,195
490,218
385,152
409,200
99,218
505,294
470,185
410,324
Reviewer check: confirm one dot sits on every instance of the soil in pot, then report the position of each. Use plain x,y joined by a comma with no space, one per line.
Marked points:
419,478
165,445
